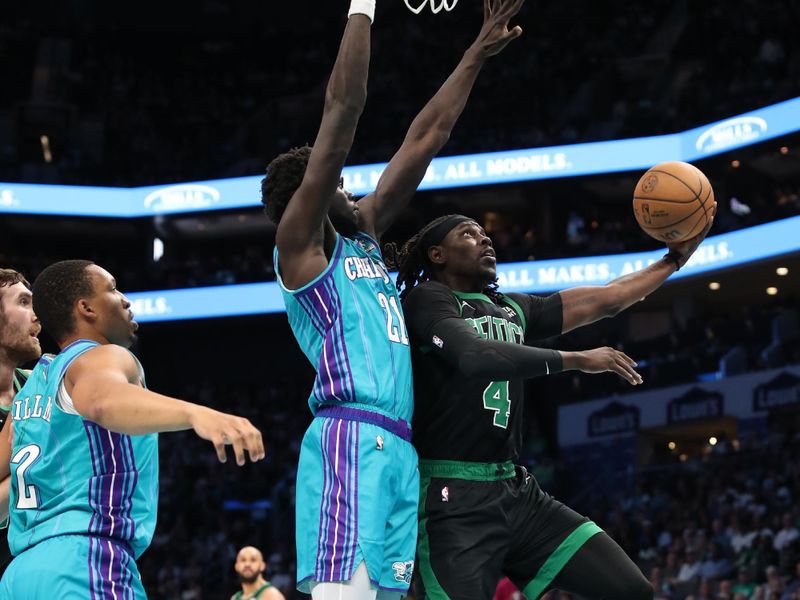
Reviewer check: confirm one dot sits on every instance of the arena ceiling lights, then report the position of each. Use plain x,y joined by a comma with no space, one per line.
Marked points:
447,172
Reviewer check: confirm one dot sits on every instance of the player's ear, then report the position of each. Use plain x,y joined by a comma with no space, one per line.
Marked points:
436,254
85,309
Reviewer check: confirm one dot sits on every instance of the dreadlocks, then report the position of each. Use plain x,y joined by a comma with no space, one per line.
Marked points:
413,266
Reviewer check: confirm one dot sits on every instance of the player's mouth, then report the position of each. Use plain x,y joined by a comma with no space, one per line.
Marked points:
489,253
134,324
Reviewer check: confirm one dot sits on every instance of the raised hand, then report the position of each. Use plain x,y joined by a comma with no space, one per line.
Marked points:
682,251
222,430
601,360
494,36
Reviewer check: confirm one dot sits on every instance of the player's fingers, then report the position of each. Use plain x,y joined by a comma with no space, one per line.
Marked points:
255,445
237,441
219,445
487,10
516,6
627,372
628,359
514,33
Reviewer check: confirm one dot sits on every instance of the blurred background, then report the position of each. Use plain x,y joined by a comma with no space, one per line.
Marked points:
696,474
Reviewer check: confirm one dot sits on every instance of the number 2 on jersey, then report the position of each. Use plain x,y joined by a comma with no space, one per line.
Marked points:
495,398
27,494
397,333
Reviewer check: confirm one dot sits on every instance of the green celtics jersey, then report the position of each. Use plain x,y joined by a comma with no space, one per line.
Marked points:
469,418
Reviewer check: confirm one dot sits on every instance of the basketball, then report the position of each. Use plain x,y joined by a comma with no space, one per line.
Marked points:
673,201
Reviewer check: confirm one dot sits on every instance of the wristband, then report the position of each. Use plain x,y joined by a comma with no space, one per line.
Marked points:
362,7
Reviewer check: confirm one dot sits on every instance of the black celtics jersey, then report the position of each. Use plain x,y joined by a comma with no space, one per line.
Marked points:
468,418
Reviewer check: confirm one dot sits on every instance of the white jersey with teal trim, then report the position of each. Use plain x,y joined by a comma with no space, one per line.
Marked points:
349,323
69,475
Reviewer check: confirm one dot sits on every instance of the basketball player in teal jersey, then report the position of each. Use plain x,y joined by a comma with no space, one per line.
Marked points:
84,460
357,481
19,345
481,516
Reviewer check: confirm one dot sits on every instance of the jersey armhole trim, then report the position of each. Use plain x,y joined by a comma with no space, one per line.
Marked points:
337,252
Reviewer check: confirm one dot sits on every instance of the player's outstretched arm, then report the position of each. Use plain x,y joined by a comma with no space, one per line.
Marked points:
584,305
300,237
474,356
104,386
431,129
435,321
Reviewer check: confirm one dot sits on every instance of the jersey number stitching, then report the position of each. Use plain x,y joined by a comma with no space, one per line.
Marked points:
495,398
27,494
397,333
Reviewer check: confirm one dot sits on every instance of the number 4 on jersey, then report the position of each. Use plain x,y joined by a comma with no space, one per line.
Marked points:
495,398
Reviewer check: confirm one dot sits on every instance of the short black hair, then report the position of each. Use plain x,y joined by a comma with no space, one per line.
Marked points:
284,175
55,292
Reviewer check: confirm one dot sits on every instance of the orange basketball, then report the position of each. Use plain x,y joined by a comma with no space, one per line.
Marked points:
673,201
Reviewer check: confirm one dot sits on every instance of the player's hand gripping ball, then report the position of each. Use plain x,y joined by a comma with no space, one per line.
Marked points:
673,202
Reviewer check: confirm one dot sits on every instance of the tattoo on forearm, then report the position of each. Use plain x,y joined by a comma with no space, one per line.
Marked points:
581,302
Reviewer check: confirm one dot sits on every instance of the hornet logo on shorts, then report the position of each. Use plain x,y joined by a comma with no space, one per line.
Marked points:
403,571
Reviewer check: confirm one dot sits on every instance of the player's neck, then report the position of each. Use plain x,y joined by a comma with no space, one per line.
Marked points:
90,335
458,283
252,588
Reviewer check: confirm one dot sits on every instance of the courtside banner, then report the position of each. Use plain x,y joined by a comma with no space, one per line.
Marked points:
745,397
447,172
716,252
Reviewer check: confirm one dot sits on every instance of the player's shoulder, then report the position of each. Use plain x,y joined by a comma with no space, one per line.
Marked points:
271,593
429,290
106,356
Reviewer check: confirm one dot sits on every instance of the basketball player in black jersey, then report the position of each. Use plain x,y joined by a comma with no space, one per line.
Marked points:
480,515
19,344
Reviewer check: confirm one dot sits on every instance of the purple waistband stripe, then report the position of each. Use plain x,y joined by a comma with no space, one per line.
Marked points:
396,426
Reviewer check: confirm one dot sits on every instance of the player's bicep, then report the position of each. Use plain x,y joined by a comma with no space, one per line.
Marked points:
544,316
92,373
426,306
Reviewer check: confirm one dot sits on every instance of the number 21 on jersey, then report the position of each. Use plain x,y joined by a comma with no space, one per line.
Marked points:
395,325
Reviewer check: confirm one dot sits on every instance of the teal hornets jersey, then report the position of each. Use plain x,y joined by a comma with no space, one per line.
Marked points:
349,323
69,475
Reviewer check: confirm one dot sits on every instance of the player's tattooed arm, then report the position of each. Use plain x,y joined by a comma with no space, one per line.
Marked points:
432,127
301,235
584,305
587,304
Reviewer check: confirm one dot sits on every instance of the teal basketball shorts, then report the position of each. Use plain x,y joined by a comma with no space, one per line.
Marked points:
73,567
357,498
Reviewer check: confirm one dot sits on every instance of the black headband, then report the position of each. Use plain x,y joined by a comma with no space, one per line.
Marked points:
435,236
